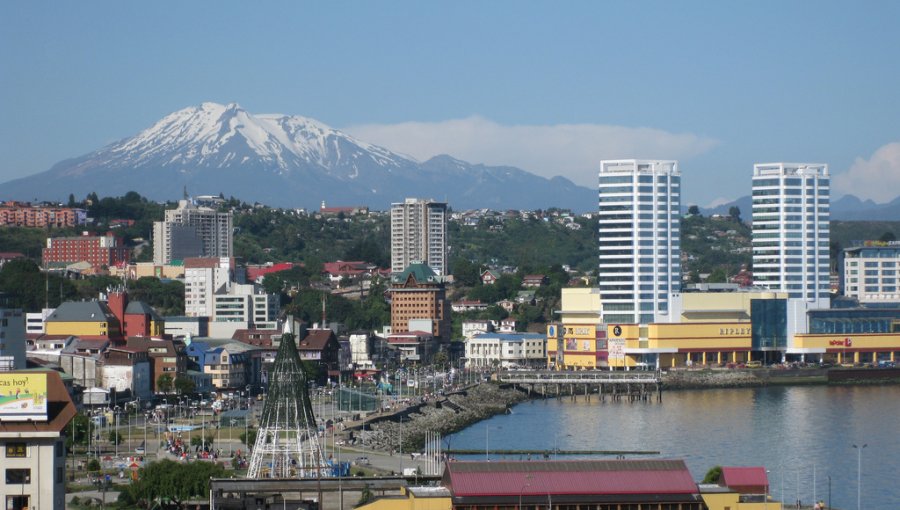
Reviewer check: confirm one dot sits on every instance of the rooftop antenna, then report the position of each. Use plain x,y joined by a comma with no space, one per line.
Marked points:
324,324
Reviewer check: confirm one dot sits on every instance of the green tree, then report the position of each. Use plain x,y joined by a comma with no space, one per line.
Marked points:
164,383
183,385
197,440
465,272
713,475
718,275
93,465
734,212
365,496
114,437
27,286
168,483
249,437
80,428
694,210
440,359
887,237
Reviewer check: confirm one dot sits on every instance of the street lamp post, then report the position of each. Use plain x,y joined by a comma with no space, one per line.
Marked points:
487,441
859,450
526,484
115,433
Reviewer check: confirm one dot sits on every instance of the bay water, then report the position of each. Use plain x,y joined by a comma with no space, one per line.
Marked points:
803,435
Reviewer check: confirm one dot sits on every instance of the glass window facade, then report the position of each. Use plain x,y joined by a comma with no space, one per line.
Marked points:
768,324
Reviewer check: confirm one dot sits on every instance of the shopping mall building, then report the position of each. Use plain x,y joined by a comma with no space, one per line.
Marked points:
718,328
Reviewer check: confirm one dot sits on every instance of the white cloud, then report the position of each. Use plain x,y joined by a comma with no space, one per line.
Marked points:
571,150
877,178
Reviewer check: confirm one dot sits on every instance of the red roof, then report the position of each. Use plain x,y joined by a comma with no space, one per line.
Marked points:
472,479
744,476
254,272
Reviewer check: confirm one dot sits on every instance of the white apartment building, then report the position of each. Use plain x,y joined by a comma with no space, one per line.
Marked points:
507,350
12,339
35,321
191,231
203,279
419,234
640,240
791,210
246,304
870,273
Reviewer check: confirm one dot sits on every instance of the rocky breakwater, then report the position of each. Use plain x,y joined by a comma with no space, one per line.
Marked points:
444,415
741,378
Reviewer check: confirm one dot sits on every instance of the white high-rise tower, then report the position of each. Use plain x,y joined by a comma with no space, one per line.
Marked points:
419,234
791,228
640,239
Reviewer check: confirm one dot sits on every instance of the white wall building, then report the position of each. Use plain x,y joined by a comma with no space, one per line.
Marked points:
244,306
34,321
507,350
419,234
870,273
640,240
791,210
191,231
472,328
203,278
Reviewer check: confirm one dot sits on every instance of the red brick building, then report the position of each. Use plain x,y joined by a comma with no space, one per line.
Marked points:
99,251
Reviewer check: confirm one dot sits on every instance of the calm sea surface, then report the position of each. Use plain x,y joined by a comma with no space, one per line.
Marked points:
798,433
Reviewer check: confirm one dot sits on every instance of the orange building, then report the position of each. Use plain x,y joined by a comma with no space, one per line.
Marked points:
418,296
18,214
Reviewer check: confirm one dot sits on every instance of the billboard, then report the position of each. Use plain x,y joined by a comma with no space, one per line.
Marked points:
616,352
23,397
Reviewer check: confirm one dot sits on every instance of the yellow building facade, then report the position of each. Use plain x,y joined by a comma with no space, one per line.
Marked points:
413,498
852,348
578,340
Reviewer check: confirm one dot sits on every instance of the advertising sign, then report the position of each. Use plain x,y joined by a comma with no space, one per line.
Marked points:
616,351
23,397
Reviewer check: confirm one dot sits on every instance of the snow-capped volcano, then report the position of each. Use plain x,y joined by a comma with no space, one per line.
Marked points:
283,160
216,136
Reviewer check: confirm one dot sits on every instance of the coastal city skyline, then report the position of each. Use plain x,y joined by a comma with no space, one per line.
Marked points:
703,84
426,256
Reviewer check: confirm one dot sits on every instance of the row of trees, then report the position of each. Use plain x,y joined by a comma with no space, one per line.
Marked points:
30,289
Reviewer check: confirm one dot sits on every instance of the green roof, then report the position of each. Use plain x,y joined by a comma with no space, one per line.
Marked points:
421,272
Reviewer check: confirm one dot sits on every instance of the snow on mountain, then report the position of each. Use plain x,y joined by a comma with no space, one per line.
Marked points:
284,161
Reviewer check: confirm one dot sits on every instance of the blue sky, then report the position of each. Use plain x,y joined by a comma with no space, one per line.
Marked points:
551,87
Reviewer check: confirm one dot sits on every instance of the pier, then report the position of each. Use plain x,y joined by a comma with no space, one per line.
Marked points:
631,385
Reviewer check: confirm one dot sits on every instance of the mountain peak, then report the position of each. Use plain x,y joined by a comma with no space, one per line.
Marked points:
284,160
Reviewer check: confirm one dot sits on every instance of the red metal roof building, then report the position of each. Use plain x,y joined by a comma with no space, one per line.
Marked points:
587,484
745,480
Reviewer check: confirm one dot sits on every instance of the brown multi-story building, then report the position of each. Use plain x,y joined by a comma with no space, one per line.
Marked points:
166,357
417,297
100,251
19,214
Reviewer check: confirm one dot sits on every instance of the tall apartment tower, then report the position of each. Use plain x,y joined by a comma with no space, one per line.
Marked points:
191,231
791,229
419,234
640,239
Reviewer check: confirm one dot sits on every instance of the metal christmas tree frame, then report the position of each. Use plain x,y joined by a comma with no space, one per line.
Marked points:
287,442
